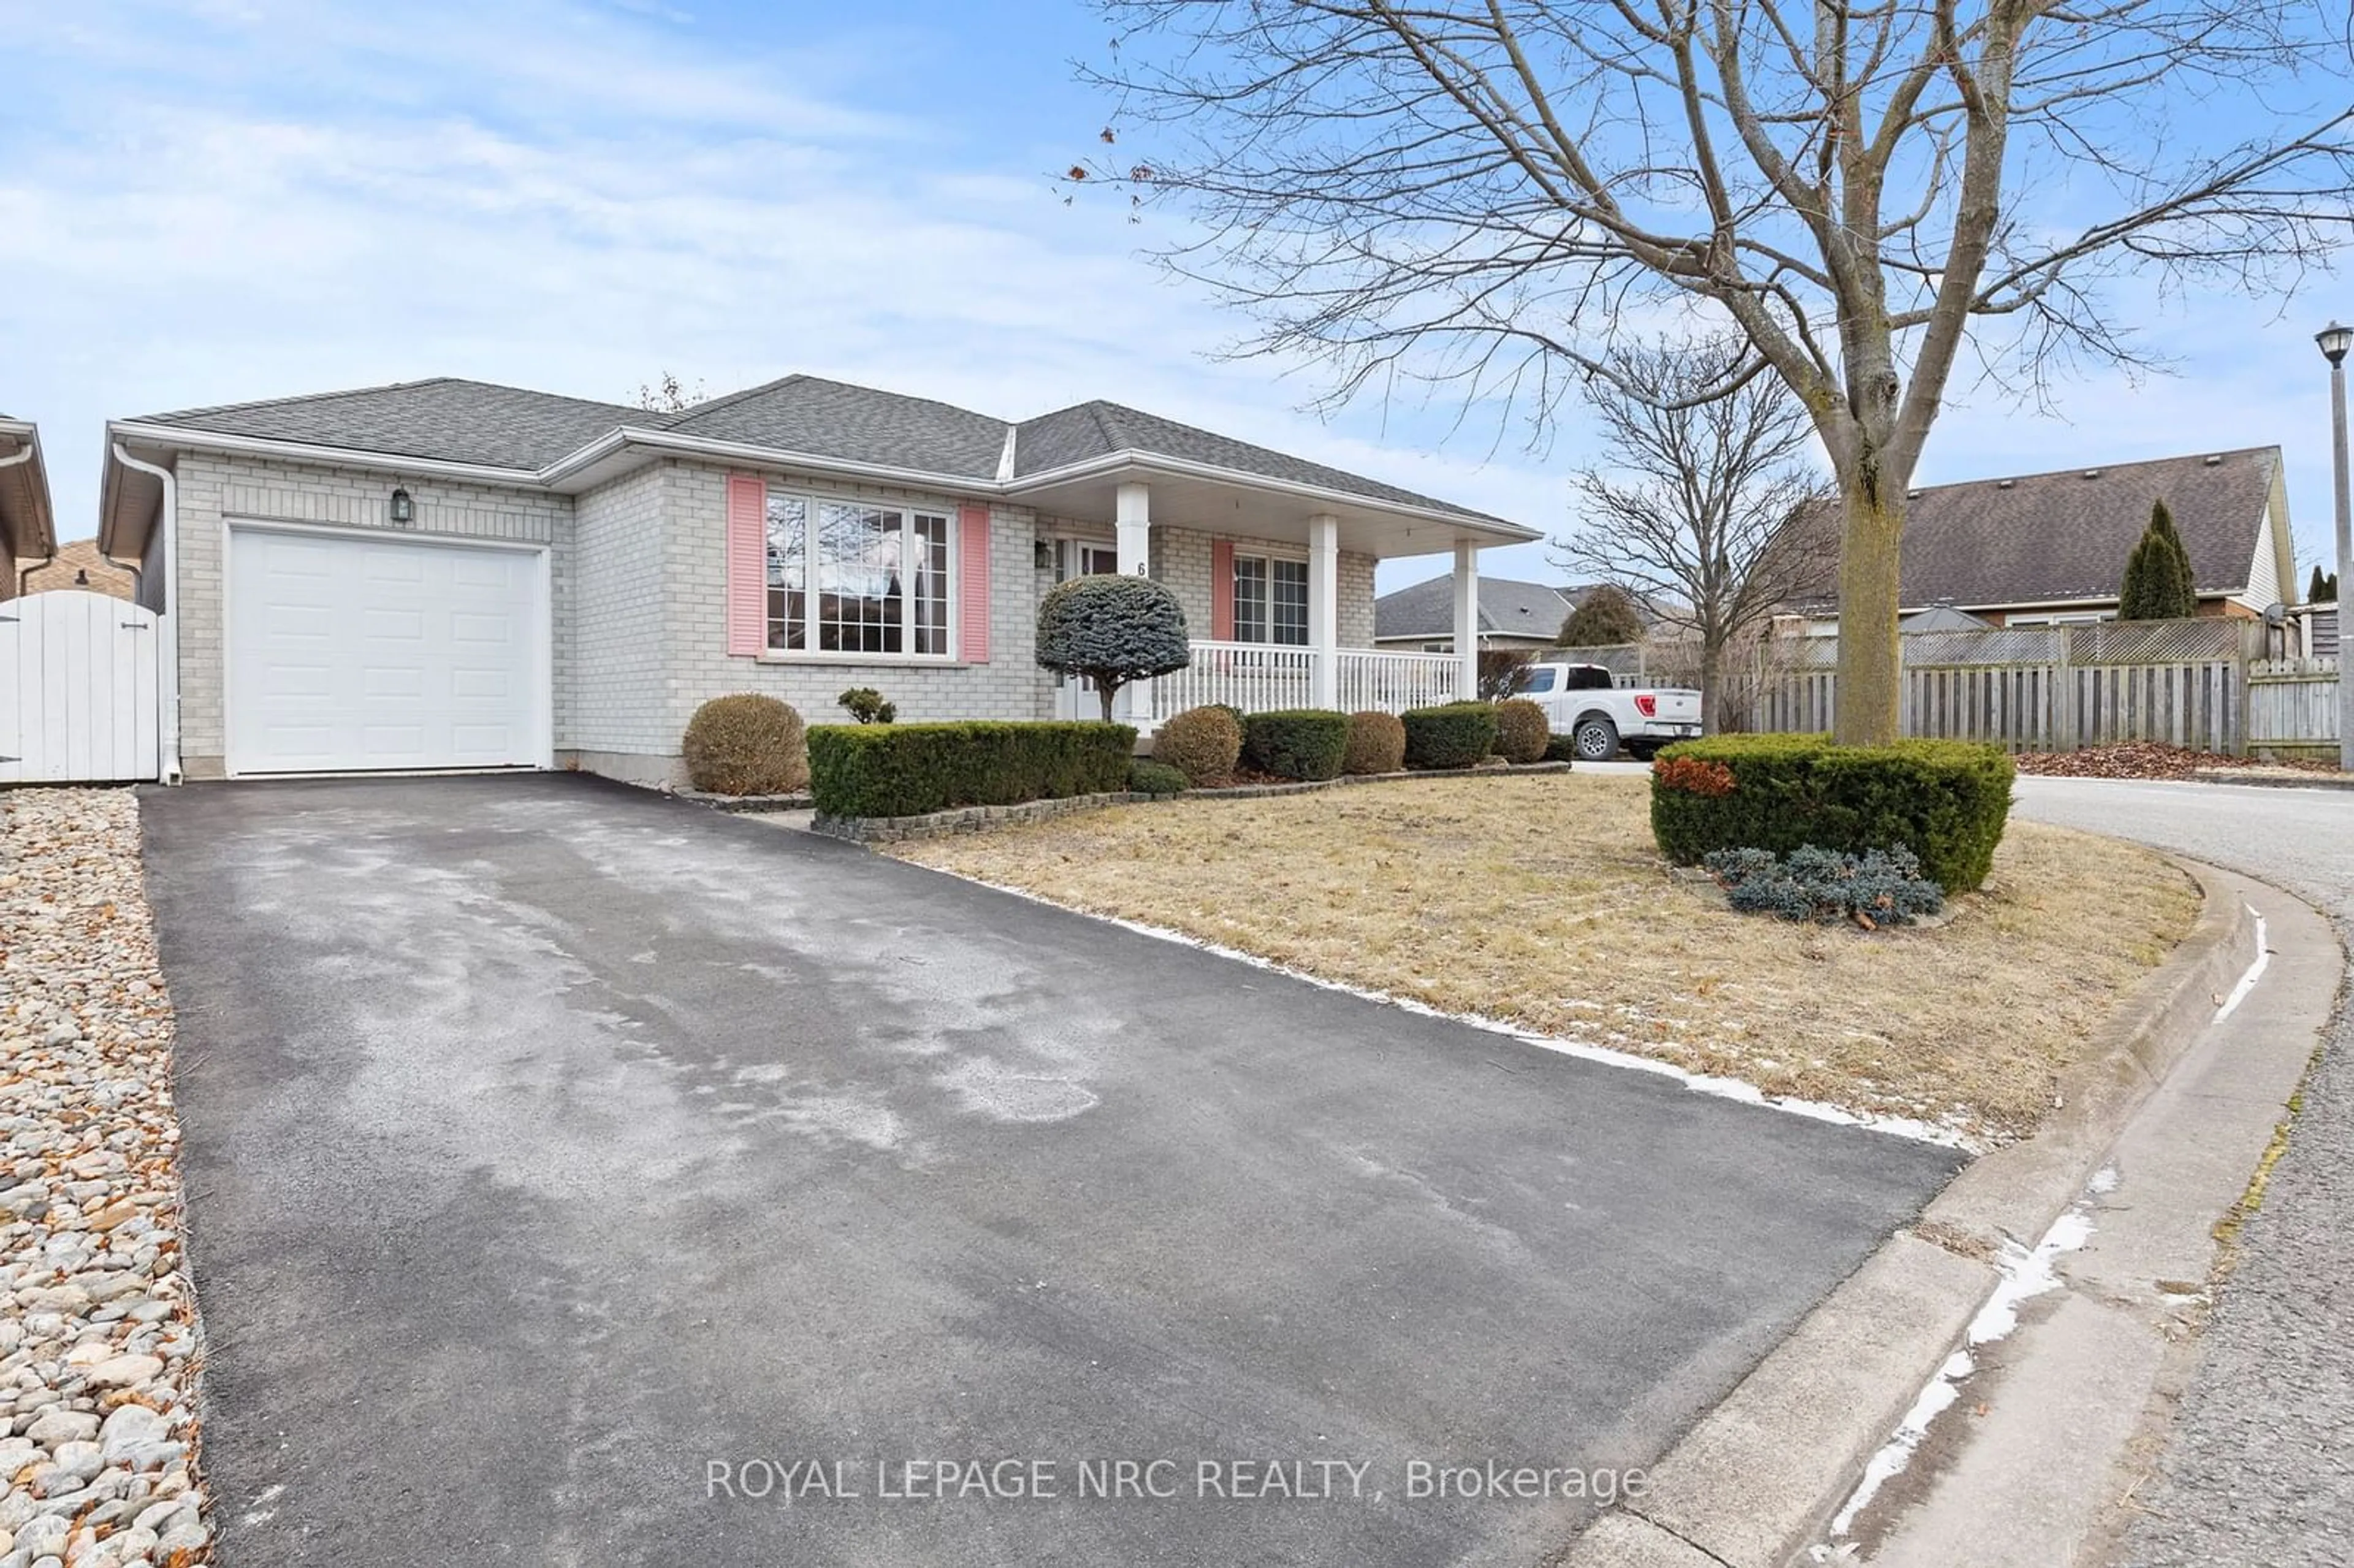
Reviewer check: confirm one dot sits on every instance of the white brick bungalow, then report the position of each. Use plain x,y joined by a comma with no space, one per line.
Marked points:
448,573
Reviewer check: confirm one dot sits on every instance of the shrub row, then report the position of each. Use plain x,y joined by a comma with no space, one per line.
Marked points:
1945,800
1376,742
1457,735
1296,743
899,770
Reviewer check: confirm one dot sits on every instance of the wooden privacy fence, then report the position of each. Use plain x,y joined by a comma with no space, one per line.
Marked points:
2184,683
2293,704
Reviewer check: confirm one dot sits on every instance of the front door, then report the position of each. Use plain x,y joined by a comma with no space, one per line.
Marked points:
1079,558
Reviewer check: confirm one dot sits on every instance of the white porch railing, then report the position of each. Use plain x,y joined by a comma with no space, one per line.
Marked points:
1394,682
1258,676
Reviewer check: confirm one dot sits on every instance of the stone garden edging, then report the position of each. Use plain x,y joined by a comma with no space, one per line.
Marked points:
976,818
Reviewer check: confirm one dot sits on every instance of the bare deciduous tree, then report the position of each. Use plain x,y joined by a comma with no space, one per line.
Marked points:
1702,504
1478,192
668,394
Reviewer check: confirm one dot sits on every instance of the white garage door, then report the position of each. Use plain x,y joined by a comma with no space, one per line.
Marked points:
347,652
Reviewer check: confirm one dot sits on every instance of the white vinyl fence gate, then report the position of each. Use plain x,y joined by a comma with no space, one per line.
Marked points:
79,700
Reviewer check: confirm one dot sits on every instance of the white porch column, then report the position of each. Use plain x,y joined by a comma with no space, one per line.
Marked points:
1467,621
1324,610
1132,517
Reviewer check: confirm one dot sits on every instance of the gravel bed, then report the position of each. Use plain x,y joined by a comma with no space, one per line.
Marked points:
98,1342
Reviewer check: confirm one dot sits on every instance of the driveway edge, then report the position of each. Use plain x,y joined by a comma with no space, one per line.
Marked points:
1755,1479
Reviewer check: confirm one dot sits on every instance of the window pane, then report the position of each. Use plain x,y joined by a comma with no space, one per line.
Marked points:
859,596
1533,681
788,546
929,605
1250,598
1289,612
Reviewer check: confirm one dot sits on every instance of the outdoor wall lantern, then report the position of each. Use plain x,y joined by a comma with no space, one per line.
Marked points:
403,510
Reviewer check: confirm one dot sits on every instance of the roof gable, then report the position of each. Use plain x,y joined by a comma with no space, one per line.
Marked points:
1096,429
859,424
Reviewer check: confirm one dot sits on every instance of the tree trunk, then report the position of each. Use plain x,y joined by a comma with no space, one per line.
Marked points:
1870,666
1712,685
1104,691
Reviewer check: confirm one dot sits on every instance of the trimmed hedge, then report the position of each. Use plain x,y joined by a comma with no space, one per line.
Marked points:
904,769
1296,743
1146,777
745,744
1204,744
1522,730
1945,800
1376,742
1457,735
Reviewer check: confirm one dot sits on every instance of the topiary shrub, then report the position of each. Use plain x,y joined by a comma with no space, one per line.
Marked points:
903,770
1202,743
746,743
1146,777
868,705
1110,630
1376,742
1945,800
1522,731
1878,887
1296,743
1561,748
1455,735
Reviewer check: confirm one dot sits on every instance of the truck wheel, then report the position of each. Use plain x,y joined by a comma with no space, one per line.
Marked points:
1595,738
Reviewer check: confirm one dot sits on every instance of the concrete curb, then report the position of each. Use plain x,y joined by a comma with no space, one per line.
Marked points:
1755,1482
2276,780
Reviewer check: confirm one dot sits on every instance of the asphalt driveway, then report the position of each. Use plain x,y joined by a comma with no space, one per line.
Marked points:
553,1145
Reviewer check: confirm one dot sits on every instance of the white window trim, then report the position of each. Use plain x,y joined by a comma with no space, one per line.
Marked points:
1268,556
812,499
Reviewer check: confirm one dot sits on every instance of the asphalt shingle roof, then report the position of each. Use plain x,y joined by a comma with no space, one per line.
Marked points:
1098,428
1506,605
835,419
443,419
507,426
2046,536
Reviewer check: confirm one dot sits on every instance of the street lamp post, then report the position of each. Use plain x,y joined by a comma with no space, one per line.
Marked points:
2334,342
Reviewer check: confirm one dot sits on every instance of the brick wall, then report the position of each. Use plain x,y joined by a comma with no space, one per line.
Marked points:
215,487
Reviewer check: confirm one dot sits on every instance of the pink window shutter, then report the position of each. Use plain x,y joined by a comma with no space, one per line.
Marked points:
972,594
1222,591
747,560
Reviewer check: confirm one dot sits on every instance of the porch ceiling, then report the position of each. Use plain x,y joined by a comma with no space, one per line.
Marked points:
1264,512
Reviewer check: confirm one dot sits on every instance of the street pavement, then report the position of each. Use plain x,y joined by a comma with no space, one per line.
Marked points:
2259,1468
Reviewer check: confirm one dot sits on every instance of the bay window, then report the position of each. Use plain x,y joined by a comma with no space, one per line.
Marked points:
1271,600
854,576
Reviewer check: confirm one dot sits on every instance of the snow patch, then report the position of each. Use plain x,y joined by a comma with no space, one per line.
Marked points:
2256,970
2027,1273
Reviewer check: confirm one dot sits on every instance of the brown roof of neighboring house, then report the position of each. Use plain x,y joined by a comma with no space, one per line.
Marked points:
2052,538
70,563
2043,537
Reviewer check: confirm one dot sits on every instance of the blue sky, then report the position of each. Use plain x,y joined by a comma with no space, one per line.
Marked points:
216,200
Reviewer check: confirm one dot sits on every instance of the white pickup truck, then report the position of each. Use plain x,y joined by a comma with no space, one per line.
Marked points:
1584,703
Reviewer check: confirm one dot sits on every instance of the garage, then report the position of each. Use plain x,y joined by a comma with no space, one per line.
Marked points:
352,652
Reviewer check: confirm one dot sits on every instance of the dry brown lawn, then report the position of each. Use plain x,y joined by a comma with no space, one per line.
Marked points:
1542,902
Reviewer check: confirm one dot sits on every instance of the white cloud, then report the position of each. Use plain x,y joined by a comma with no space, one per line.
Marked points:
245,200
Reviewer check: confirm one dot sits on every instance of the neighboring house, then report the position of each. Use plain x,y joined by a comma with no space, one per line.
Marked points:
79,565
2049,549
1943,618
451,574
1512,614
28,530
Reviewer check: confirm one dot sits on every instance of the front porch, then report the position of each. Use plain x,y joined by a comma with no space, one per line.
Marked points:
1283,586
